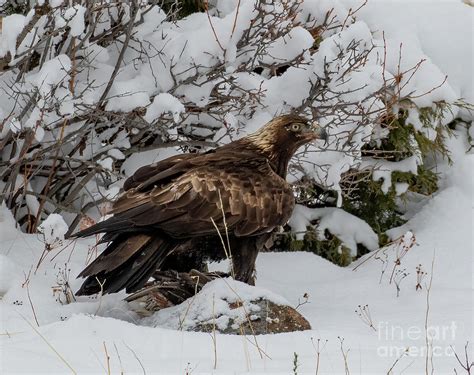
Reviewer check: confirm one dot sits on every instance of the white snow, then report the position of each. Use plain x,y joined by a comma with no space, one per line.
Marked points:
382,169
57,334
53,229
15,125
453,20
74,18
126,97
106,163
401,187
31,201
288,47
52,73
140,159
164,103
56,3
7,224
350,229
116,154
12,26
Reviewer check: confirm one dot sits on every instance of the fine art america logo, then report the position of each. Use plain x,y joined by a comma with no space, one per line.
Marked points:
416,341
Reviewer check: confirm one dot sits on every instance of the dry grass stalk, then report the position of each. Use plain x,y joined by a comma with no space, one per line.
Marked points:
49,345
428,343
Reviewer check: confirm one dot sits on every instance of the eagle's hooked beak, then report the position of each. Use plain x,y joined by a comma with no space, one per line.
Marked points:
320,132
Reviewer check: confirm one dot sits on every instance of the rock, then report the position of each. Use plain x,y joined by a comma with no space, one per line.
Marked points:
226,306
272,318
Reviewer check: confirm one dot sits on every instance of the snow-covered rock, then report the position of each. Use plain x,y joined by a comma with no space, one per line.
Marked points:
230,306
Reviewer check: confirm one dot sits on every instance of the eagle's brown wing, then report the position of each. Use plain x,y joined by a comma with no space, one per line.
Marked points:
240,192
160,172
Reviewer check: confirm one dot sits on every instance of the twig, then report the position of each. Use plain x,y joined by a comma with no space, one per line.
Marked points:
136,357
229,250
119,358
212,26
364,314
399,276
344,355
318,349
128,35
420,275
427,342
214,338
390,370
26,284
305,301
107,358
101,294
49,345
235,19
467,365
182,319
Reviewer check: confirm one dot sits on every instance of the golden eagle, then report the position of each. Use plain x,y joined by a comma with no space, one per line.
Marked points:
234,195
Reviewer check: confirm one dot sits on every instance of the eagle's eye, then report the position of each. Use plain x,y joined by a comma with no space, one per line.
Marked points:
295,127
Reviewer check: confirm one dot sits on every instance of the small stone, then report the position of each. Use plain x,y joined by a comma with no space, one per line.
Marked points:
271,318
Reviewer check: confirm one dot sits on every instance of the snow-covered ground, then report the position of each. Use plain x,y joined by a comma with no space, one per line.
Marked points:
75,336
375,316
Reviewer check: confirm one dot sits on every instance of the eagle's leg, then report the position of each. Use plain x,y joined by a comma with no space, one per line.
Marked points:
184,260
195,254
244,254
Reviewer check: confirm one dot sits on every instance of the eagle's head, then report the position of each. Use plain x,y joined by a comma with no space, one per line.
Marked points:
291,131
279,139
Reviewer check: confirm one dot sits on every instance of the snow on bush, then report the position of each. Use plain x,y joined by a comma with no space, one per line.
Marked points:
383,169
164,103
53,229
12,26
102,90
349,229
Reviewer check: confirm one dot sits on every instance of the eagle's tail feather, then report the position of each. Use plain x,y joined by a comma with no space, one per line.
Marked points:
115,224
112,224
132,264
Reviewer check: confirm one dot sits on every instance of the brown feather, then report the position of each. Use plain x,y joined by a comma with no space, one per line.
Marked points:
120,255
